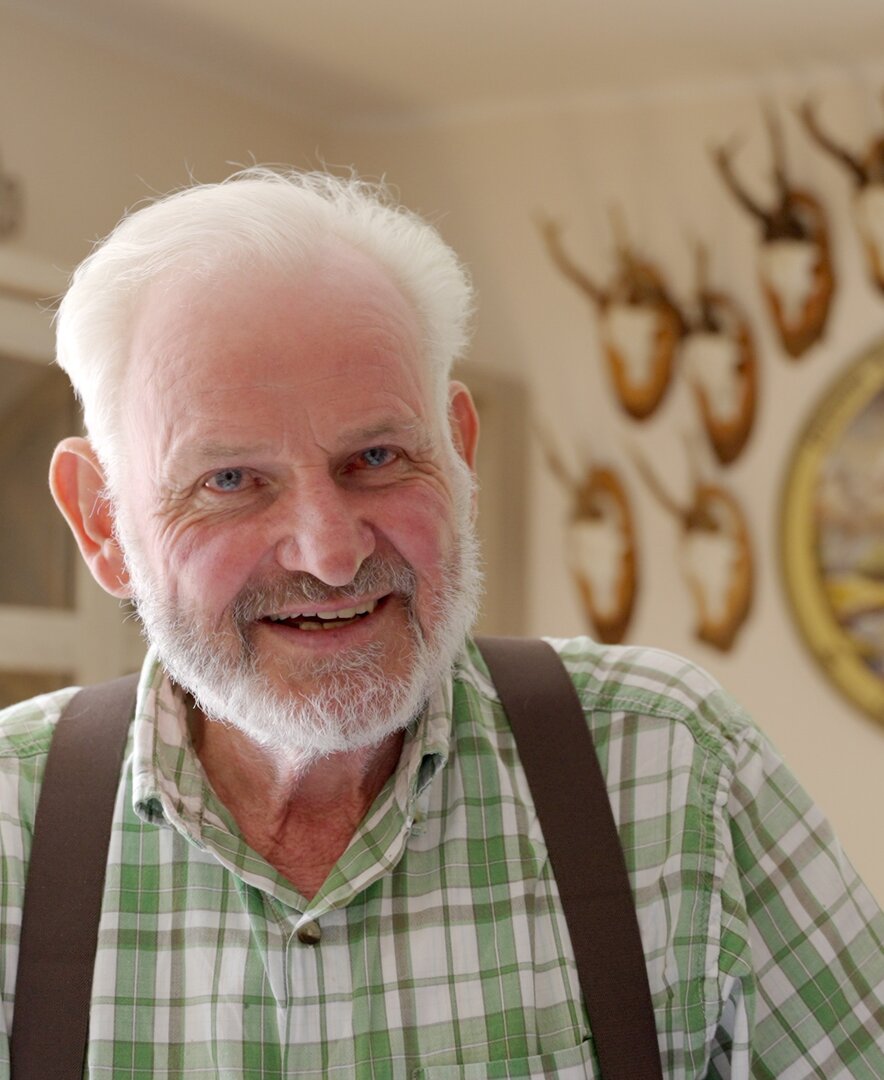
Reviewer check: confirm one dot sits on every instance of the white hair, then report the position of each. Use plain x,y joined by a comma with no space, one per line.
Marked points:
255,217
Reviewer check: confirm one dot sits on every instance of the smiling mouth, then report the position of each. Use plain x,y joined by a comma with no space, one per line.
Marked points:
323,620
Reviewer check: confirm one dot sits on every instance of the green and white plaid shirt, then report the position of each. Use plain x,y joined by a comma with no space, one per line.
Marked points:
444,953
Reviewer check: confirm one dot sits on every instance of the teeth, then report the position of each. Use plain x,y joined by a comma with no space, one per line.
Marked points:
326,617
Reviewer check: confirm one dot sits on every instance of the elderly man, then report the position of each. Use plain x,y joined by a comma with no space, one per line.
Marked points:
325,859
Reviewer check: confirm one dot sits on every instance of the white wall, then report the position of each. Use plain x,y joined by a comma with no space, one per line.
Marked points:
486,176
90,131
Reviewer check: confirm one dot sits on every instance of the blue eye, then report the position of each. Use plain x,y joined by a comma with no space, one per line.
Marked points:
376,456
226,480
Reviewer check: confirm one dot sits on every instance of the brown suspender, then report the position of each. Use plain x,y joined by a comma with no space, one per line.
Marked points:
59,933
67,865
571,800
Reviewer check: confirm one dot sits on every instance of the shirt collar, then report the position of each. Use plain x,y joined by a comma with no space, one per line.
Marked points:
171,789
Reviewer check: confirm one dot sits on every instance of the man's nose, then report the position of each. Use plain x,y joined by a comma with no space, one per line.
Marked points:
323,534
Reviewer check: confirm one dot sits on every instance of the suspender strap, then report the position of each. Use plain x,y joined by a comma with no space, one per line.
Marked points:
572,803
65,883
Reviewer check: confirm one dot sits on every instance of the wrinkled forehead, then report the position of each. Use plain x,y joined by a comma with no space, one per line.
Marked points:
335,335
331,271
191,316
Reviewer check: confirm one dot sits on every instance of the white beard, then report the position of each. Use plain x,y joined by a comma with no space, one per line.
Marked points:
358,703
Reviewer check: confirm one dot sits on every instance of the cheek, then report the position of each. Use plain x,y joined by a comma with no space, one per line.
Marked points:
422,531
210,568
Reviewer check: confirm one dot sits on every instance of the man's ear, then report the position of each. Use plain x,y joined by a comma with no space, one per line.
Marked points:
464,422
77,482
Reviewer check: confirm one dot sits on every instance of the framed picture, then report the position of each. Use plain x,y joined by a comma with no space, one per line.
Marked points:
832,532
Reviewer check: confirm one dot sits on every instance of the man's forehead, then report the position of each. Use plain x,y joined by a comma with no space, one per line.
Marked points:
330,306
331,268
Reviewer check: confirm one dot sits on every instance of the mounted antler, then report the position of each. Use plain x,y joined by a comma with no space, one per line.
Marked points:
868,180
718,358
795,266
722,157
601,544
716,555
551,232
841,154
639,323
786,222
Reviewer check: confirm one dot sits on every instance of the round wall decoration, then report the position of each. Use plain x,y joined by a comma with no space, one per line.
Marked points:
832,532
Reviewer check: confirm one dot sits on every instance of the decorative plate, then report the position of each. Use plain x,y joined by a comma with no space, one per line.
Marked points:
832,532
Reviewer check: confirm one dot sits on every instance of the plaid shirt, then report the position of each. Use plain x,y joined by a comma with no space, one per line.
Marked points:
444,953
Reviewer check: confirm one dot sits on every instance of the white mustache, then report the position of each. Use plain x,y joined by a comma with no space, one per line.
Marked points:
376,576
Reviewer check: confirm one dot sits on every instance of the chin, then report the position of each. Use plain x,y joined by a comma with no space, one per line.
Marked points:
350,710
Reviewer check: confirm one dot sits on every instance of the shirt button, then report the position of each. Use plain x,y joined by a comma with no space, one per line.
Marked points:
309,933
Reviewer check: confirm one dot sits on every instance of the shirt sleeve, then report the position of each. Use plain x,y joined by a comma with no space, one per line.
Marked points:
808,993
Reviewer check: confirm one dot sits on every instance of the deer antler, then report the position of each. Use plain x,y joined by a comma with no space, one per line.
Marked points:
701,264
721,157
807,116
551,231
656,488
778,150
621,235
621,242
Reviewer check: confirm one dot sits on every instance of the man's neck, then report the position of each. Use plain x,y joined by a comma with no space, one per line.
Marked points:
299,814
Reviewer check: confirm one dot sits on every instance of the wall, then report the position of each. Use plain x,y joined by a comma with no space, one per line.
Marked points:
486,177
90,131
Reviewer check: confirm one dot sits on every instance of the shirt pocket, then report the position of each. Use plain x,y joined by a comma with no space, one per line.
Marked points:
577,1063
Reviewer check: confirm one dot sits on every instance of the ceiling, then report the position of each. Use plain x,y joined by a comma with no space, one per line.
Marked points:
362,61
